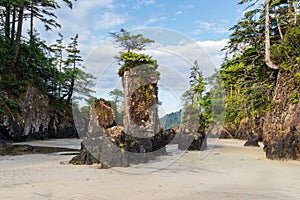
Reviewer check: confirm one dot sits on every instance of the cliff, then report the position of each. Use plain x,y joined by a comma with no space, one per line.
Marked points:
32,116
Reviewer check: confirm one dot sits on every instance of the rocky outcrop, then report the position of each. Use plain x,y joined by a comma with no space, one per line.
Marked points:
192,134
35,114
9,127
192,138
137,141
61,126
251,129
34,119
282,123
252,143
140,102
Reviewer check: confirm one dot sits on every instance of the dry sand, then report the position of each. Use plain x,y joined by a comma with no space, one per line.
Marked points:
226,171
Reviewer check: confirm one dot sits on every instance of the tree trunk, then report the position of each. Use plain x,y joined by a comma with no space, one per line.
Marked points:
278,25
70,93
31,22
18,38
7,22
13,25
268,60
71,89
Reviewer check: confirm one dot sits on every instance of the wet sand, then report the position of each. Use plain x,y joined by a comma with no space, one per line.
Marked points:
227,170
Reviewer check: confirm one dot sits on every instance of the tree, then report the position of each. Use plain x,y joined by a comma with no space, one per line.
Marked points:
43,11
19,33
197,84
117,104
268,60
73,74
58,61
72,63
194,99
117,95
131,42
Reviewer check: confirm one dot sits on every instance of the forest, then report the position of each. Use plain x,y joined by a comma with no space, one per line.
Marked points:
30,69
261,77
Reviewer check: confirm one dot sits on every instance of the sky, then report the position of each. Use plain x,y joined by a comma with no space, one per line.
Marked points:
184,31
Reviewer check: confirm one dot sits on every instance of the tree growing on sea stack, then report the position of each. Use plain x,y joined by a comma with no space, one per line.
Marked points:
140,77
113,145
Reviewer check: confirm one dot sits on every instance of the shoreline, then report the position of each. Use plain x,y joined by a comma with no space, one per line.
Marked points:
227,171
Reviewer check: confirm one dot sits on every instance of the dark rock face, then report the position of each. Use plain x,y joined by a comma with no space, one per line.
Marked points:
192,135
113,149
84,157
252,143
61,126
35,114
35,120
250,129
281,135
9,127
192,138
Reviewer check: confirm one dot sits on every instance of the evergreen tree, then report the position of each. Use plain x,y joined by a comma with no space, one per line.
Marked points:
131,42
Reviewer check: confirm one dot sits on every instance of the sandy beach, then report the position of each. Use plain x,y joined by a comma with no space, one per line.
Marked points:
227,170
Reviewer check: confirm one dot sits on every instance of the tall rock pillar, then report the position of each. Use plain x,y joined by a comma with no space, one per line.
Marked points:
140,104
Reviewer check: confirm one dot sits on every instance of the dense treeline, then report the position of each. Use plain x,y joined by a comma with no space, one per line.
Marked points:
38,81
248,79
261,74
26,60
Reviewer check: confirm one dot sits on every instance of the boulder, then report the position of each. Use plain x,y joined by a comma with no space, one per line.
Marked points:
252,143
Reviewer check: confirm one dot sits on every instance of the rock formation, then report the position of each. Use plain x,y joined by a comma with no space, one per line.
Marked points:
34,119
282,124
116,146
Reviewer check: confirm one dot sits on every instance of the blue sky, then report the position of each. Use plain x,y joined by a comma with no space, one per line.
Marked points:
200,20
184,30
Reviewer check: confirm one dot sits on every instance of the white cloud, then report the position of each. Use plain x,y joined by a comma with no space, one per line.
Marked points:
211,27
186,6
153,20
213,50
174,62
88,18
148,2
179,12
144,3
109,20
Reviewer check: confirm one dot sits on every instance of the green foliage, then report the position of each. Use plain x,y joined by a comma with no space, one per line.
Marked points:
248,82
11,104
171,119
196,108
286,53
131,42
294,98
36,65
297,80
130,60
117,105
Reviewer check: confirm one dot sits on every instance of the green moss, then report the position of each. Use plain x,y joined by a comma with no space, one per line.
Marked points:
297,79
132,60
294,97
